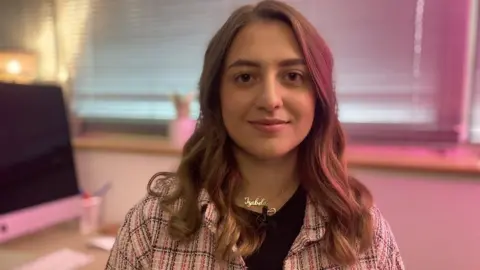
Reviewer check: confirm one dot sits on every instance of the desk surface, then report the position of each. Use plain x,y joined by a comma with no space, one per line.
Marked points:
25,249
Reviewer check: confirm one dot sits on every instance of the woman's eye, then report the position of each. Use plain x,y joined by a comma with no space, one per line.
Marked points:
244,78
294,77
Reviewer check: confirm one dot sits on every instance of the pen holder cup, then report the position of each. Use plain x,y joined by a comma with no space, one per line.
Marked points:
90,217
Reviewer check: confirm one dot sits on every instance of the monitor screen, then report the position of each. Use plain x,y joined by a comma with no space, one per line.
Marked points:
36,157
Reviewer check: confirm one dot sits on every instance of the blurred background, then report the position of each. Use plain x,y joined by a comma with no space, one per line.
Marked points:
407,78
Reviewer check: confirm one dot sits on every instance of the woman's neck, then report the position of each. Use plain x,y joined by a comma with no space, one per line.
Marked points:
269,179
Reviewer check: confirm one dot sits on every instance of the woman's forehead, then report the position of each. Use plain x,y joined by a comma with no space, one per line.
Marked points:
270,42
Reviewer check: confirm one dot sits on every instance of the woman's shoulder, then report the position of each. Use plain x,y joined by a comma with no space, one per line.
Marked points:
162,184
149,211
143,224
384,248
160,187
382,230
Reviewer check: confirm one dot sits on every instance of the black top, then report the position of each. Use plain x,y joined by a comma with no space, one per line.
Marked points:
281,231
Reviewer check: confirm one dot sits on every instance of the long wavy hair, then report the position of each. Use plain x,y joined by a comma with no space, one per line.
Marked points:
207,161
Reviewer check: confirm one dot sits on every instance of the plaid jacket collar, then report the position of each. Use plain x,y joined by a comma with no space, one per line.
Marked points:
313,228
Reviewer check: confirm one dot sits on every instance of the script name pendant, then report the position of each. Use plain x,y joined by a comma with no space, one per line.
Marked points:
257,202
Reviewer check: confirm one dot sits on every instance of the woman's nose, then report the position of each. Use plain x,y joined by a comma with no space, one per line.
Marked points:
270,97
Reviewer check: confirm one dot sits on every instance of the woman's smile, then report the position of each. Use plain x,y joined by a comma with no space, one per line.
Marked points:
269,125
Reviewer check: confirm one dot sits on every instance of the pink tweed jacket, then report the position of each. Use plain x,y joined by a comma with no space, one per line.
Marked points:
143,242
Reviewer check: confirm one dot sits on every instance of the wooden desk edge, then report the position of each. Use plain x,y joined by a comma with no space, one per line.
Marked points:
432,163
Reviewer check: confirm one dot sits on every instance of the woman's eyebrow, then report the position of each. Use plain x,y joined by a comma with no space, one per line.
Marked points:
282,63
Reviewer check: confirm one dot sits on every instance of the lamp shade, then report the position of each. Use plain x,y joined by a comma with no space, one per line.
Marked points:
18,67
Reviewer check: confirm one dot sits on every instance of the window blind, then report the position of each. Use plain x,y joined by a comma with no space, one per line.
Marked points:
396,61
141,53
475,102
73,20
475,115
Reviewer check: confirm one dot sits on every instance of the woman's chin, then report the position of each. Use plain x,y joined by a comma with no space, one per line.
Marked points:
267,149
270,153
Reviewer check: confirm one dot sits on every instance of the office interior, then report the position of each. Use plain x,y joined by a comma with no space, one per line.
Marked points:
407,79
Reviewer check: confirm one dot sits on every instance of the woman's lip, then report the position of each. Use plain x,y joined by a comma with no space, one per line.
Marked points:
268,122
269,128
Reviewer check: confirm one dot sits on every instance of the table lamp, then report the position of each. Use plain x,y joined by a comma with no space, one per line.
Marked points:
18,67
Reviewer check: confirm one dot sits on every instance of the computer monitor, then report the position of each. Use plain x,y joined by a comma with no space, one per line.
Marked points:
38,183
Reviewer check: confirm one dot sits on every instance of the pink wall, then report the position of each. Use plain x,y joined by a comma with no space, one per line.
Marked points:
436,219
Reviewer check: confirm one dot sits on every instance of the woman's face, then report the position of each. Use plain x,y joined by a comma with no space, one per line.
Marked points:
267,98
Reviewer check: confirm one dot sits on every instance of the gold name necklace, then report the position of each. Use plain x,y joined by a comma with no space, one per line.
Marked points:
261,202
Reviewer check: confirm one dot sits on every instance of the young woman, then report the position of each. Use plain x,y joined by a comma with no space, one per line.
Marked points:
262,183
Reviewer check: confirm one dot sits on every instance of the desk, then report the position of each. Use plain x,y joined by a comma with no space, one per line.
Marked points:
27,248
